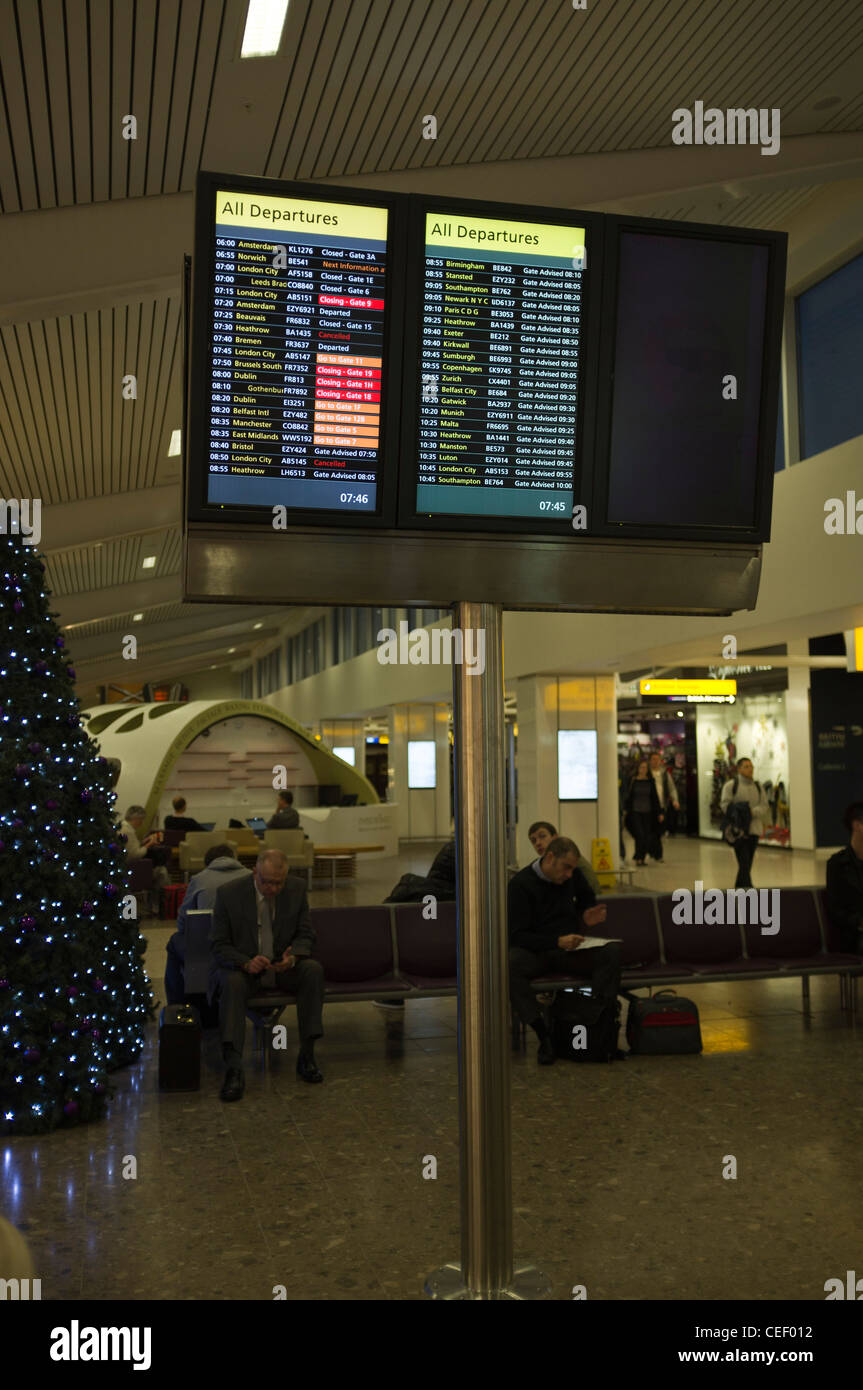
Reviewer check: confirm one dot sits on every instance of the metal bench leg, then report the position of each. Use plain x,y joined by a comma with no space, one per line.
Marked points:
804,980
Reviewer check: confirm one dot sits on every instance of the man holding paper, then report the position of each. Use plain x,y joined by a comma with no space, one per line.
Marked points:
549,902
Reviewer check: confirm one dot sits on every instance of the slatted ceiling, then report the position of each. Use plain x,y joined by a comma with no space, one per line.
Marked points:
361,36
167,613
464,85
114,562
401,99
66,432
506,80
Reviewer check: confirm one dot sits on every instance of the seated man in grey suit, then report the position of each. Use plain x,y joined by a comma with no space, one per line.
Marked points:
262,938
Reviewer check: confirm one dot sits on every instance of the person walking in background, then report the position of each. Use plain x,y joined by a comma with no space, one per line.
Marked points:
744,815
643,814
666,793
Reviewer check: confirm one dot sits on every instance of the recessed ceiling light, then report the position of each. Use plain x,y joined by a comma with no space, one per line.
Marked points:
231,650
265,21
174,446
136,617
148,562
257,625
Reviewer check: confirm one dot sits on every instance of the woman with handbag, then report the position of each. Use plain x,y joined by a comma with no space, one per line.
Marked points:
643,812
745,810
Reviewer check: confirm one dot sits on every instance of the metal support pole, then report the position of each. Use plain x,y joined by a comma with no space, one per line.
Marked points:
486,1268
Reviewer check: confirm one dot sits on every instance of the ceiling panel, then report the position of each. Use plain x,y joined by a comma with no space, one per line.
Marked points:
352,82
66,430
114,562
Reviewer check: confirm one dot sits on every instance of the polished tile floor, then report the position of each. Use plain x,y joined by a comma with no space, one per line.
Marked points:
617,1171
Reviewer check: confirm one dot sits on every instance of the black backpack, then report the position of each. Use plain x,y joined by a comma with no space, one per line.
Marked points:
573,1008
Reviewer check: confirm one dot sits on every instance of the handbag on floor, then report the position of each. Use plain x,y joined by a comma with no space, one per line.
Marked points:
573,1009
665,1025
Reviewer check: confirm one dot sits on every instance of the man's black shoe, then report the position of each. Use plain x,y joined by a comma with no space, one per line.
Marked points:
234,1084
546,1055
308,1070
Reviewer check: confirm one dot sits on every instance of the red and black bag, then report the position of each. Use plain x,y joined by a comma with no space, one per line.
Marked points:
663,1025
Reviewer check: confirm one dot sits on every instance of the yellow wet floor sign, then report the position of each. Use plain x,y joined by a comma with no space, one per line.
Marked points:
601,862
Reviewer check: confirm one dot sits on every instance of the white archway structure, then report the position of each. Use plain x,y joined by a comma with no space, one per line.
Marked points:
150,741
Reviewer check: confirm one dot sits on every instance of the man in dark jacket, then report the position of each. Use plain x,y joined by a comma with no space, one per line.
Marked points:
262,938
285,817
845,883
548,901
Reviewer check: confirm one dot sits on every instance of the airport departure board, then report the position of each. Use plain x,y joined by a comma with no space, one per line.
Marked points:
502,325
296,360
382,362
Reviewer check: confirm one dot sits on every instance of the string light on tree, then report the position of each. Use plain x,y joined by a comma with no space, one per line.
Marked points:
62,933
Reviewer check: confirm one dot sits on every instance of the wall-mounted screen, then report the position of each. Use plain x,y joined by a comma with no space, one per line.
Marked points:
293,312
348,754
421,764
500,325
577,778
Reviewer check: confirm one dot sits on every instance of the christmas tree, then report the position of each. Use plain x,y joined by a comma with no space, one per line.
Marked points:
74,998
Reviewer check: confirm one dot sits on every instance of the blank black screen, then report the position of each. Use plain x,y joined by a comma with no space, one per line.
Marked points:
690,312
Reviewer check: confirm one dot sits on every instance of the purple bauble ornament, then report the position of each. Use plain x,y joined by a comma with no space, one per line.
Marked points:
72,991
17,824
4,984
97,985
96,1034
59,641
34,748
70,1108
17,605
99,1088
70,671
32,1054
21,770
40,667
86,796
28,922
72,720
110,890
51,805
85,1025
86,908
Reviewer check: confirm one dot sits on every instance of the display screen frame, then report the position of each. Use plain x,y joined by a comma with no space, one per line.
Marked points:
562,736
195,450
490,526
422,764
776,245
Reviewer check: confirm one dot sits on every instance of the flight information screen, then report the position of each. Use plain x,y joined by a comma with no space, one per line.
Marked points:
501,333
297,370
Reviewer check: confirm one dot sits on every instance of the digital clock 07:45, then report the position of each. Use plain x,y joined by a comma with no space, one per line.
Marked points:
552,507
360,497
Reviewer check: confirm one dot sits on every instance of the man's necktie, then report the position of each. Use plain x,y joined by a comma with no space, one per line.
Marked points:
268,978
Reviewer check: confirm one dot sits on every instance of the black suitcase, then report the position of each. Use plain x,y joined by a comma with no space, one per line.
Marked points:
575,1009
665,1025
179,1048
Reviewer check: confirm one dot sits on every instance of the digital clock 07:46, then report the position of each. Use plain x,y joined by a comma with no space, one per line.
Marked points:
353,497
